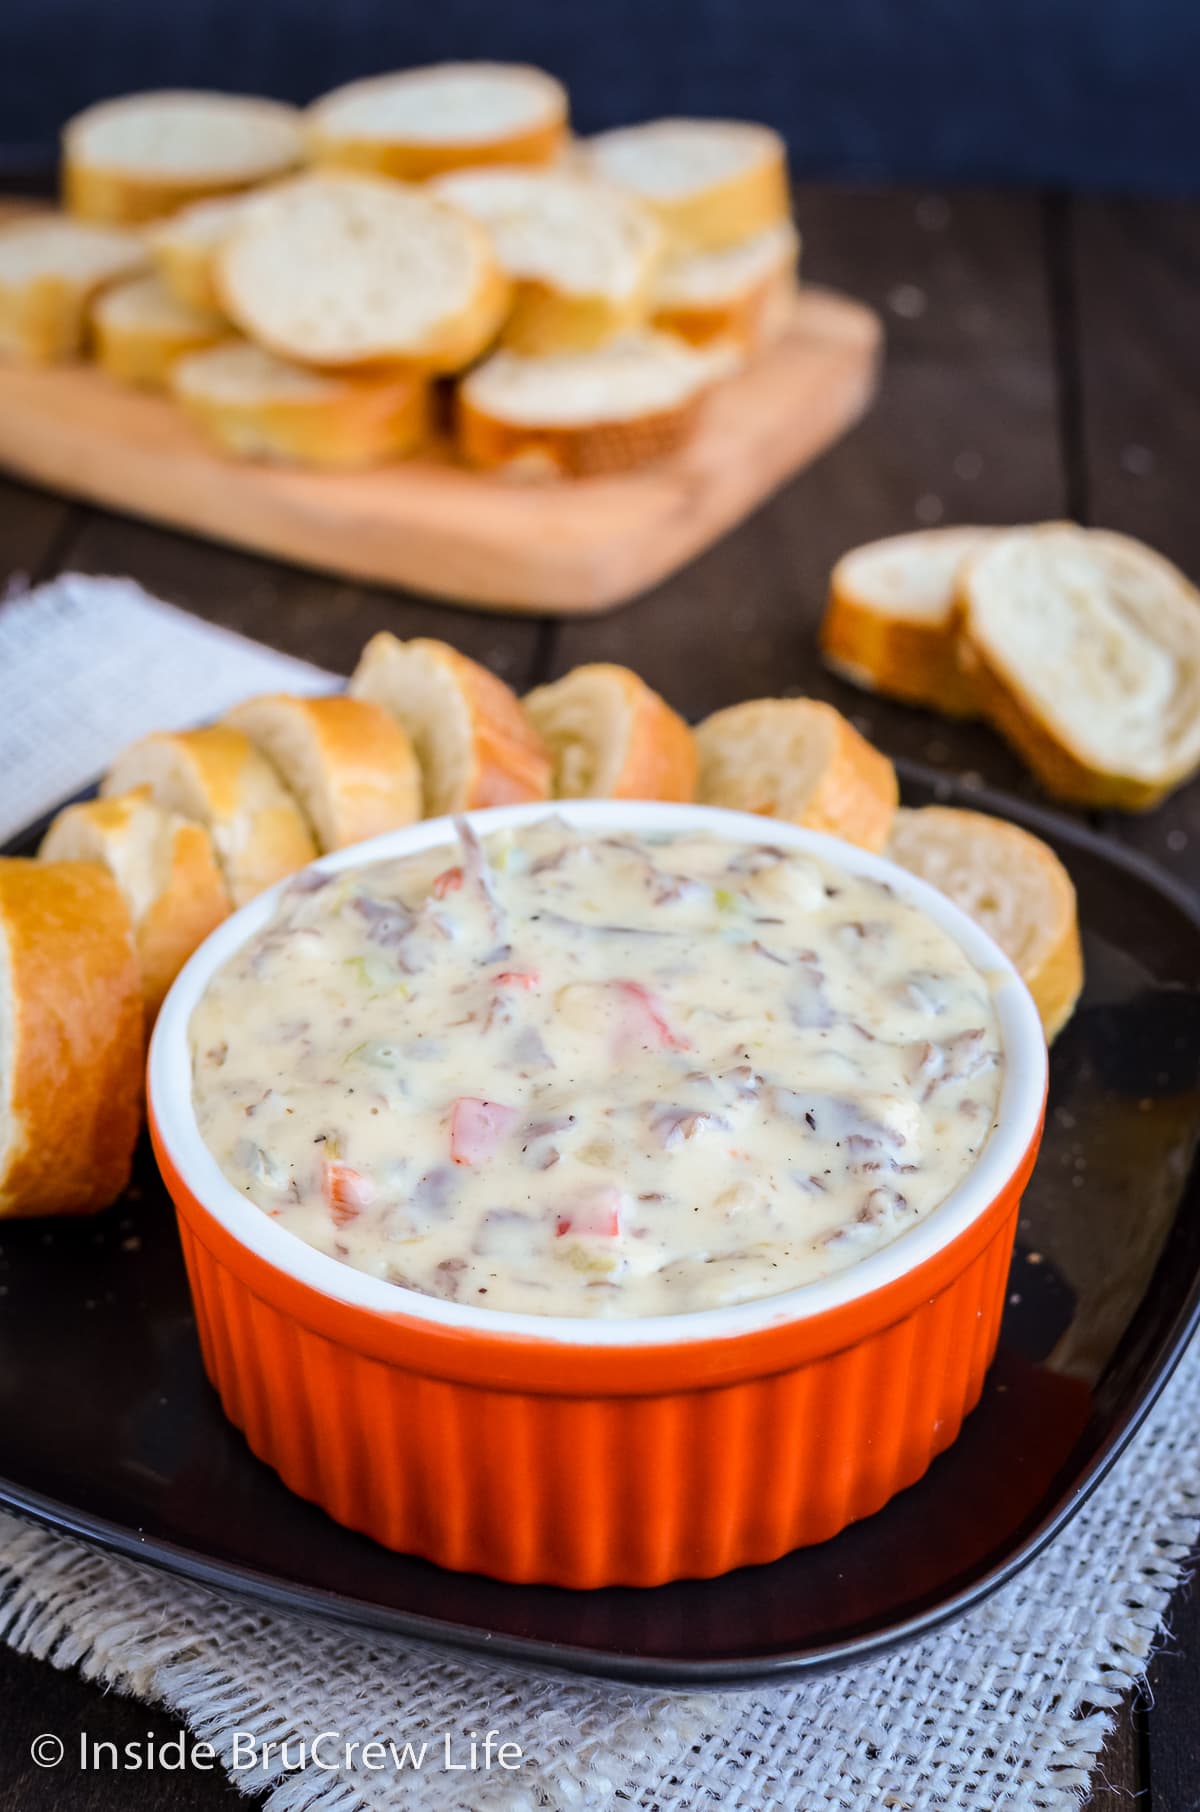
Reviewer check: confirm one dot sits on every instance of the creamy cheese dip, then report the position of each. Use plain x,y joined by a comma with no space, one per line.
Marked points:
596,1075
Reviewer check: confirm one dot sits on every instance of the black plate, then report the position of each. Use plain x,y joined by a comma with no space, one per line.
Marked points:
109,1430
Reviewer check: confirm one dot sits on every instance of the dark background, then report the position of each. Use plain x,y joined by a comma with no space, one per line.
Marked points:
1085,94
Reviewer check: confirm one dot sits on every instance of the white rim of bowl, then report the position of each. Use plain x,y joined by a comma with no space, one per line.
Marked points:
1019,1109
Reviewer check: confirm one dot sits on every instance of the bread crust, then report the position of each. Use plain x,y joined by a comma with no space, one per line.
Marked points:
1051,965
657,759
901,657
507,761
364,421
852,791
572,449
370,780
190,900
216,776
121,198
405,161
75,1087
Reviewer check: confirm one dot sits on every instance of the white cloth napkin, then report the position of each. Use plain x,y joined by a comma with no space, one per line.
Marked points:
1005,1709
87,665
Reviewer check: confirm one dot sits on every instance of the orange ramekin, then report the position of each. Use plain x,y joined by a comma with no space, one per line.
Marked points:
580,1452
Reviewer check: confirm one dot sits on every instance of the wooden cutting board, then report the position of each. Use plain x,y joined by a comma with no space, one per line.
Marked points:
564,547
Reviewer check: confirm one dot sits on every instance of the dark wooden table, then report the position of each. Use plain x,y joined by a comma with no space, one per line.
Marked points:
1043,361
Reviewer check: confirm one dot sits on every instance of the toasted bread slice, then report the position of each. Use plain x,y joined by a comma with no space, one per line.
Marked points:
348,762
799,759
739,293
261,407
890,620
1009,882
71,1038
344,271
475,745
581,255
145,155
608,410
419,123
50,269
217,777
711,182
139,330
1083,649
184,247
166,869
611,737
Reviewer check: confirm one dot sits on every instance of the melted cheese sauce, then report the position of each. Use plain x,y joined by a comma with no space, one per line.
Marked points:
596,1075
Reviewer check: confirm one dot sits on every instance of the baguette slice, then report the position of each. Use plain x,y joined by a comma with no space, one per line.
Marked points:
184,247
581,255
799,759
217,777
890,619
71,1038
346,760
419,123
1009,882
611,737
166,870
580,414
145,155
344,271
474,743
260,407
739,293
139,330
50,269
1083,649
711,182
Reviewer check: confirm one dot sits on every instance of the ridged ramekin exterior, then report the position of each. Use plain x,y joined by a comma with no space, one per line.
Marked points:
577,1467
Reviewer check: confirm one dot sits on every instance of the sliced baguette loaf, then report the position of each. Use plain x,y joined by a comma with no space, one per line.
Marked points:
145,155
184,247
1083,649
348,762
711,182
419,123
611,737
71,1038
581,255
139,330
889,622
50,269
1009,882
166,870
608,410
799,759
738,293
345,271
261,407
475,745
217,777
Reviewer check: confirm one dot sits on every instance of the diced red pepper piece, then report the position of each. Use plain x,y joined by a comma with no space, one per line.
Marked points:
347,1191
649,1025
477,1128
517,978
596,1212
449,881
